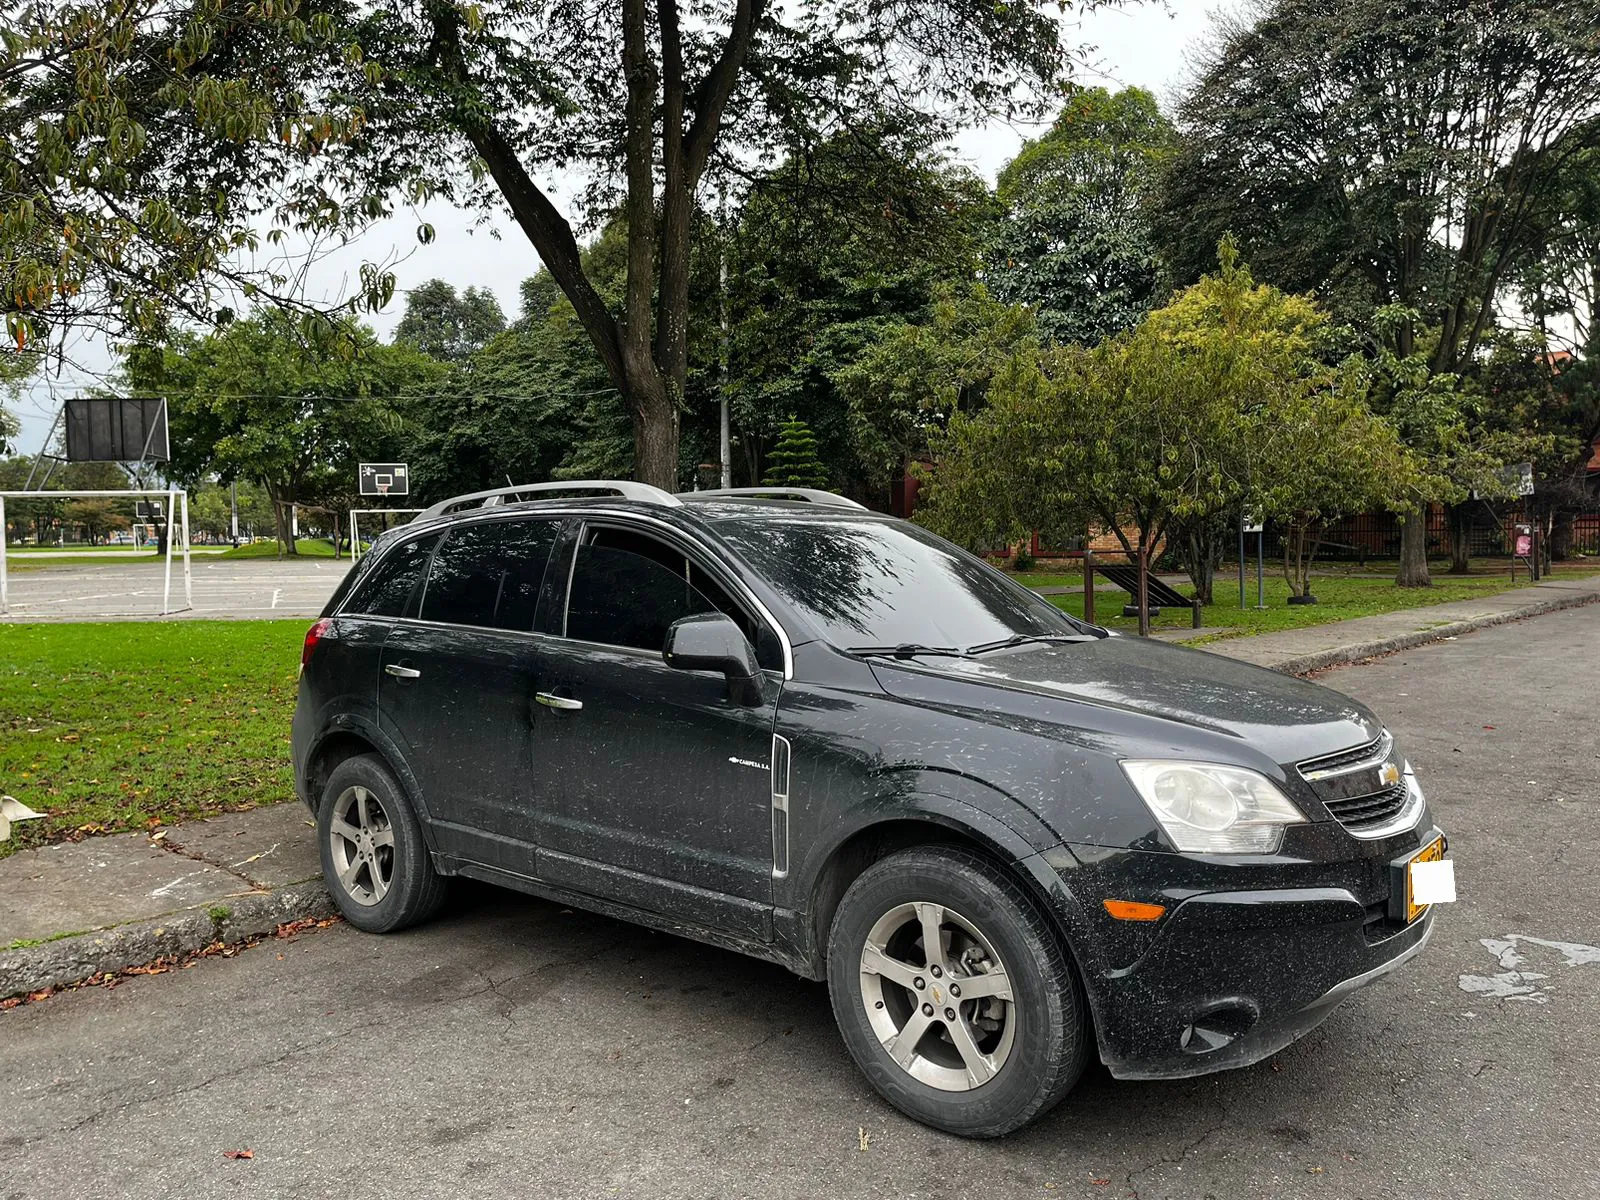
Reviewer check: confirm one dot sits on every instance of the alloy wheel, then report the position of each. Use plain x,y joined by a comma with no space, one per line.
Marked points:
361,837
938,996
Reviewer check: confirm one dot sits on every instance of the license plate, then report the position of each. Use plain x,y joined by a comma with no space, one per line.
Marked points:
1430,880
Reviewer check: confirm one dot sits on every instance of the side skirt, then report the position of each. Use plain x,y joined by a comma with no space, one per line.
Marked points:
772,952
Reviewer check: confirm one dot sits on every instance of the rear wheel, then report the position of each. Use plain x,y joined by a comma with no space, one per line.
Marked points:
953,994
374,859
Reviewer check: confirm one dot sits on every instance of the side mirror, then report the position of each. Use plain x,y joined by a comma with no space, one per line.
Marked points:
714,642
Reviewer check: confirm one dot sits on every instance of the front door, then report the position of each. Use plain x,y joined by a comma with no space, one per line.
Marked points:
661,795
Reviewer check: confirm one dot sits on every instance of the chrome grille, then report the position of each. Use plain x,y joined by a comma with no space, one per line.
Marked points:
1345,761
1363,788
1361,813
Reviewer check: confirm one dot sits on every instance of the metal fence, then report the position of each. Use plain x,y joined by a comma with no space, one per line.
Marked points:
1377,535
1370,536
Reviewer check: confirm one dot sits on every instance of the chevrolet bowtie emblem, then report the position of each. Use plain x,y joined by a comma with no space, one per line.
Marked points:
938,996
1388,774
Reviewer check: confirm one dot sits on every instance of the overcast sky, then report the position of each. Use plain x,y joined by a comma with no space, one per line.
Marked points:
1148,46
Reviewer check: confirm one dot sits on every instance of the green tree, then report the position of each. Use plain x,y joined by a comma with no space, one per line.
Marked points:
793,462
148,151
327,120
911,381
259,401
1398,160
835,252
446,326
1323,454
1075,242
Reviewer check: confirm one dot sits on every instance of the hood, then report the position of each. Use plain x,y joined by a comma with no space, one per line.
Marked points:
1285,718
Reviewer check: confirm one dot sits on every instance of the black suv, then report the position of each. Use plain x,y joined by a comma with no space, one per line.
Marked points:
785,725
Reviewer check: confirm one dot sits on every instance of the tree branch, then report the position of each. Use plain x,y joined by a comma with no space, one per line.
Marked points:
711,97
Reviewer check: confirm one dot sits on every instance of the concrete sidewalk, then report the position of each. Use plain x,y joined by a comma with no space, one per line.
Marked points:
70,910
73,909
1298,651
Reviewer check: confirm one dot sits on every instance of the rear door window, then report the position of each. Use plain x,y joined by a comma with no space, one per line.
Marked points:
488,574
388,589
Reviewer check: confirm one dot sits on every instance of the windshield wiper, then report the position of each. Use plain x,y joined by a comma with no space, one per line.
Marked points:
1024,639
906,650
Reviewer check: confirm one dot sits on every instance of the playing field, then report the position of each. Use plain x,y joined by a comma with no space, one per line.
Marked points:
236,589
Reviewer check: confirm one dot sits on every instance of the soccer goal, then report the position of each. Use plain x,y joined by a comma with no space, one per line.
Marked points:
177,501
355,524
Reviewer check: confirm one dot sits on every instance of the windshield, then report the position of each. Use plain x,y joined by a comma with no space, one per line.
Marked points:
873,583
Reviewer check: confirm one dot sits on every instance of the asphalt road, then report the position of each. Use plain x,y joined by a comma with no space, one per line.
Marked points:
513,1048
234,588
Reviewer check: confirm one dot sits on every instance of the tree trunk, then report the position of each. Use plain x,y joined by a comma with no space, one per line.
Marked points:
1413,570
1142,599
1563,531
655,437
1460,516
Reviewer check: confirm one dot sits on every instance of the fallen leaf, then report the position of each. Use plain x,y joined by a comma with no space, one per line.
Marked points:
238,1154
861,1133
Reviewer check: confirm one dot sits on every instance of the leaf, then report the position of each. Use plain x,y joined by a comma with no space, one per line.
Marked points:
237,1154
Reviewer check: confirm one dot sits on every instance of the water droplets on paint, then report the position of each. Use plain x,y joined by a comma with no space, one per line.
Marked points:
1512,981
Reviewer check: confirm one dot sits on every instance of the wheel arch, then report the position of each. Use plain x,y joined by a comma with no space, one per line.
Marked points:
349,738
933,808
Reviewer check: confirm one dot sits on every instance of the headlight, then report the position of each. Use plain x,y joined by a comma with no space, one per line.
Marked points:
1209,809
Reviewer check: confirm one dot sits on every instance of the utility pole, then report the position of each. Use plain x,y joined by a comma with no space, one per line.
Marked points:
233,510
724,439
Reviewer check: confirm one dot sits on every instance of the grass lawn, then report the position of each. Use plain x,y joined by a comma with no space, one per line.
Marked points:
308,548
1340,595
80,548
120,726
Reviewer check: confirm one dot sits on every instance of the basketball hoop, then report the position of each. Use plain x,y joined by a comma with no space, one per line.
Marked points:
383,489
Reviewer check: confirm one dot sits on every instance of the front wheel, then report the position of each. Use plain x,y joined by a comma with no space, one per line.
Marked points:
953,994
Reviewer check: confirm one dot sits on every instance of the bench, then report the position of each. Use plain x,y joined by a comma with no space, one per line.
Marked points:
1161,595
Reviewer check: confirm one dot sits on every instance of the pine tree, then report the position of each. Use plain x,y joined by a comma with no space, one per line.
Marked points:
793,462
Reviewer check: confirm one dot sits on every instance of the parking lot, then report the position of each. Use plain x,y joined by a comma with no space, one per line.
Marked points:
513,1047
238,588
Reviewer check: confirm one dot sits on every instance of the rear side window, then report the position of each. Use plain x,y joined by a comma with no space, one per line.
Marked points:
388,589
489,574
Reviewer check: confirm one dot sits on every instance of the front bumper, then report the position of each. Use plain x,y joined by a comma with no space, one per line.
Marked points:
1230,977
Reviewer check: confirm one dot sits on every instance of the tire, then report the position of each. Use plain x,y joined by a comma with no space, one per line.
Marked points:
1003,1062
373,857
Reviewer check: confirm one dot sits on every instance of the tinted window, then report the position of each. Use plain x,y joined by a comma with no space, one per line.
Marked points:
623,598
489,573
627,588
386,591
867,582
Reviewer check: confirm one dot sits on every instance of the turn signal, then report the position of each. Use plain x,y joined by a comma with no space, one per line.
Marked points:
1132,910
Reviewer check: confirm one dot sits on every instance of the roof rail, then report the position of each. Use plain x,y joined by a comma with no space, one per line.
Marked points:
625,488
813,495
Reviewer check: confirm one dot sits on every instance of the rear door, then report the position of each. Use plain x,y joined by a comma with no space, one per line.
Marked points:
457,685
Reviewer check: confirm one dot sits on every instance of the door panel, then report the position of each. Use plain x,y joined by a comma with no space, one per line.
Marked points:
457,687
661,792
659,787
465,724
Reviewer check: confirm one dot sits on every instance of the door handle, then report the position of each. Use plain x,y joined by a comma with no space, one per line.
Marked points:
561,702
400,672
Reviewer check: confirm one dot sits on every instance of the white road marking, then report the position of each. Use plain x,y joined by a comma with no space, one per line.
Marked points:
1512,983
276,592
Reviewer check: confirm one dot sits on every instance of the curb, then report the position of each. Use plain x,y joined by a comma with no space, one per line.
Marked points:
73,959
1340,656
